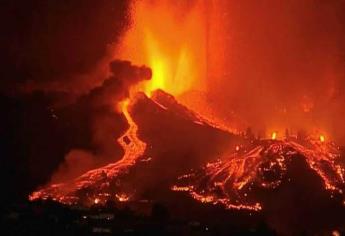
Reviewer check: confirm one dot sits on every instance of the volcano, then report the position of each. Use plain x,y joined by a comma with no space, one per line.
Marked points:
175,156
176,150
172,152
222,113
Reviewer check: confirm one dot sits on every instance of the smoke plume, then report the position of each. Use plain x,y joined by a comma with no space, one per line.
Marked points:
279,64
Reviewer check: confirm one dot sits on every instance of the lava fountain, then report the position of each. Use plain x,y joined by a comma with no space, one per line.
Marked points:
171,39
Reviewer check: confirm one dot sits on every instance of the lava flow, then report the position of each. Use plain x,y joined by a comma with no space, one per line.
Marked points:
100,178
263,164
130,141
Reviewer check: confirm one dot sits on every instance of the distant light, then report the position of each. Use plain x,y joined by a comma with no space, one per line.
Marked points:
96,201
335,233
122,197
237,148
322,138
274,136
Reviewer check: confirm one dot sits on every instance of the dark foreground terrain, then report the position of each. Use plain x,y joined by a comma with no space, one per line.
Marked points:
50,218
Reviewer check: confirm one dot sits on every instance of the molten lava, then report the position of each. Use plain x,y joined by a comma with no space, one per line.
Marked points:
234,180
322,138
175,49
129,141
173,39
66,192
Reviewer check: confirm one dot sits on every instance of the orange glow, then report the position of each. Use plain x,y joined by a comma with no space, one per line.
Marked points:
335,233
96,201
322,138
274,136
173,40
169,41
135,147
122,197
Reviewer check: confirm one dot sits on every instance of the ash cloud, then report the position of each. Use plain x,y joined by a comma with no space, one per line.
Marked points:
95,116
